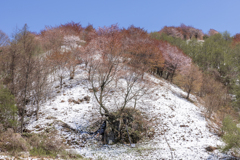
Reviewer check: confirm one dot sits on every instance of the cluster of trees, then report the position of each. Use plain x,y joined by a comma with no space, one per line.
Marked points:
116,57
218,59
183,32
175,59
114,60
111,56
23,71
217,81
29,58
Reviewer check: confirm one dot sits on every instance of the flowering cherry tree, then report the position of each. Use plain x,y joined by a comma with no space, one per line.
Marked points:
175,59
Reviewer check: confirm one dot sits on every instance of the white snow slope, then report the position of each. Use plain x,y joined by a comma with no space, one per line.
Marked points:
172,140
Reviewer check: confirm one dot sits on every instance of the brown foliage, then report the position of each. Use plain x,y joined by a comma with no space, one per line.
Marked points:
22,70
71,28
143,52
59,61
133,45
114,59
48,141
183,32
42,143
21,58
12,142
89,33
215,96
107,48
73,60
190,78
134,32
41,83
211,32
108,65
236,39
51,38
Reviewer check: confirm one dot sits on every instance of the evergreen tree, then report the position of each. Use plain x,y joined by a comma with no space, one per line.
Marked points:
8,109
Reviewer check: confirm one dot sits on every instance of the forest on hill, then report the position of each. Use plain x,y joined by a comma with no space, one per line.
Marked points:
204,65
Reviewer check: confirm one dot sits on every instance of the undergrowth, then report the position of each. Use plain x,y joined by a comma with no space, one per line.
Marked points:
48,145
231,135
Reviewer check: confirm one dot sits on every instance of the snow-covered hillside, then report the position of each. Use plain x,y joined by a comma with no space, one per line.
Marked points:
181,129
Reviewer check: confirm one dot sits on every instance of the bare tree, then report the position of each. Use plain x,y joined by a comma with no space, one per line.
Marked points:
4,57
73,60
40,82
190,78
215,96
144,54
4,40
105,64
103,72
89,54
14,61
108,70
28,47
59,61
72,44
51,38
109,66
21,60
112,78
132,87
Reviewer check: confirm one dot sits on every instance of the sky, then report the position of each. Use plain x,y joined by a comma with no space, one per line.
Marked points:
151,15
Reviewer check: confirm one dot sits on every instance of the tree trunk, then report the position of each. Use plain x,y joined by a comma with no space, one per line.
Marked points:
105,134
159,72
188,93
22,118
142,75
61,78
89,73
167,75
72,73
135,103
173,75
37,110
25,98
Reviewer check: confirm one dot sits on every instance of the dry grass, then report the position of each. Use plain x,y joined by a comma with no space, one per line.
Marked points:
39,145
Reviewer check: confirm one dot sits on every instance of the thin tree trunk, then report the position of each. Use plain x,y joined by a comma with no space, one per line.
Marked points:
37,110
22,118
188,93
25,99
128,135
135,103
172,75
167,75
61,82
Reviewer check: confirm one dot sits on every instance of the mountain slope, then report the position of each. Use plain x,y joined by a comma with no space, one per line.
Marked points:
180,127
